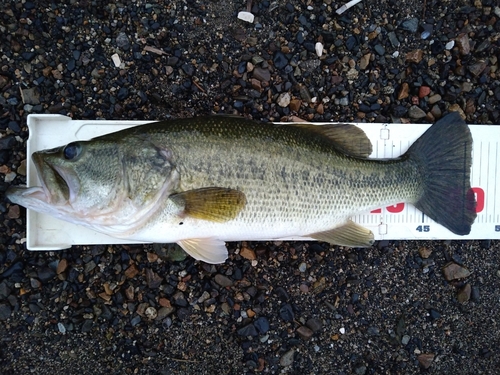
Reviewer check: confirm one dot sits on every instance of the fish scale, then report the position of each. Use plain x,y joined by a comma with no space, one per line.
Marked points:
309,186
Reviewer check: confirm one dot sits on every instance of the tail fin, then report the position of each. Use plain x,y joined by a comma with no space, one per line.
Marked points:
443,154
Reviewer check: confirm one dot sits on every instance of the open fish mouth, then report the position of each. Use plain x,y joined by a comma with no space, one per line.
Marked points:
57,185
56,182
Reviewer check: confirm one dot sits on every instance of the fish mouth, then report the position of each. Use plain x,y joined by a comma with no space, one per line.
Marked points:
56,182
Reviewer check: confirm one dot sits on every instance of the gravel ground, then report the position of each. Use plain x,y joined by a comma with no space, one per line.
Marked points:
296,308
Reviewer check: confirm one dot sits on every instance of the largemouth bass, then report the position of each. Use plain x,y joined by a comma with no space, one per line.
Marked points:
203,181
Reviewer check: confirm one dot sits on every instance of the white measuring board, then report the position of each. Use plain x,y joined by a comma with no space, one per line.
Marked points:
398,222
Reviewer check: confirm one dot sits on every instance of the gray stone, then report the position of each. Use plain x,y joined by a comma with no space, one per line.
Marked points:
31,96
304,332
163,312
223,281
314,324
416,112
122,41
5,311
4,290
261,74
410,24
248,330
287,358
393,39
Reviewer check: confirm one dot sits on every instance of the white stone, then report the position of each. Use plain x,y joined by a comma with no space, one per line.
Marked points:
9,177
284,99
246,16
116,60
319,49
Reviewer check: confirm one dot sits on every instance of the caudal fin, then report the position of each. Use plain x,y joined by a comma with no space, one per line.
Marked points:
443,154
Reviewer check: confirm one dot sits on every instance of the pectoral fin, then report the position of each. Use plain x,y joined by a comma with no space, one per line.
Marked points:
208,250
350,234
211,203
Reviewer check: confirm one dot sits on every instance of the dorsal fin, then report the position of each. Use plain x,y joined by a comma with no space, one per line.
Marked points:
346,138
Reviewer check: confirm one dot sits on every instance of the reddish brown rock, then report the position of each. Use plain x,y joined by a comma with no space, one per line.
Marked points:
295,105
423,91
131,272
415,56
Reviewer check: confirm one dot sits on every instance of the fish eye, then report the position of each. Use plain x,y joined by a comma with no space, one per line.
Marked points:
72,151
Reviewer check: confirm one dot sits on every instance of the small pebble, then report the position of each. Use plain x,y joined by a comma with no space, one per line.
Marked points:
10,176
246,16
416,112
223,281
414,56
314,324
5,311
261,325
14,211
151,313
287,358
425,360
304,333
450,45
248,330
286,313
284,99
261,74
424,252
453,271
247,253
319,49
464,294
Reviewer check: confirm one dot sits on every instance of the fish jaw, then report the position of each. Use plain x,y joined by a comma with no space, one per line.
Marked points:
33,198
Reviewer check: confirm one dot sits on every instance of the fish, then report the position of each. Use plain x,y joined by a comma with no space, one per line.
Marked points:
202,181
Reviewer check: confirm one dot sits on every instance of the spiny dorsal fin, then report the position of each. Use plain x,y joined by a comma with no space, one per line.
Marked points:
346,138
211,203
350,234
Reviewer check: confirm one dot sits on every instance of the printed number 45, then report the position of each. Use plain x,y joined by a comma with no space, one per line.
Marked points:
423,228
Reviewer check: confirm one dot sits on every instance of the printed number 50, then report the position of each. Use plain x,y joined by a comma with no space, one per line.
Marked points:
423,228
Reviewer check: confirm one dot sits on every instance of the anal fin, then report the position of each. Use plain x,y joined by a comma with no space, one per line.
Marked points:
209,250
349,234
